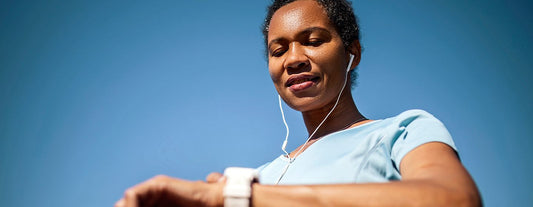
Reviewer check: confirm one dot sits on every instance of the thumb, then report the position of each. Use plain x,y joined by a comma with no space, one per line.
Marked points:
214,177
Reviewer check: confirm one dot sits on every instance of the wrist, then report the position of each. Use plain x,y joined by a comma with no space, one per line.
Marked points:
210,194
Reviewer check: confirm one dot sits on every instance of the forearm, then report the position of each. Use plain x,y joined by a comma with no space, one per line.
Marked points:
401,193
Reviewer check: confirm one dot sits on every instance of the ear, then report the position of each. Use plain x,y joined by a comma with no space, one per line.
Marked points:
355,49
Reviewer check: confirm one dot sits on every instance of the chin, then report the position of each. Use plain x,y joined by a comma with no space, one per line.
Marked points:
303,104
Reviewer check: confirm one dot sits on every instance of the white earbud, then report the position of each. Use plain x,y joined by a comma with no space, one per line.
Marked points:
351,61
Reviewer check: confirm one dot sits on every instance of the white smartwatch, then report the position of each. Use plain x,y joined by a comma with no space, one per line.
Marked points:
238,189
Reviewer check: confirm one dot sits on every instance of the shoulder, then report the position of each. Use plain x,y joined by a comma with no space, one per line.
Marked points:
419,122
417,118
410,119
410,115
414,128
415,121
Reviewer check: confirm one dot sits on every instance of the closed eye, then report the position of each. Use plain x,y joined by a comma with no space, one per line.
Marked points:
278,53
314,42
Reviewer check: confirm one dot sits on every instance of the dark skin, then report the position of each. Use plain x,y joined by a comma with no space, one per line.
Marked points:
432,175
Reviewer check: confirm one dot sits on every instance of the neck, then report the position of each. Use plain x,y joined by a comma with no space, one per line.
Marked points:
342,117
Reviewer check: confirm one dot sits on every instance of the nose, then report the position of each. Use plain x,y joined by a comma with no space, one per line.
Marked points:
296,58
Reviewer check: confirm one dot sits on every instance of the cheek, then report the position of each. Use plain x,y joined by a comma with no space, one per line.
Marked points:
328,55
275,72
330,60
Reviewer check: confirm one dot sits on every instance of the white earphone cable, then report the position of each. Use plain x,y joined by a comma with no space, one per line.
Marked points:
292,159
286,127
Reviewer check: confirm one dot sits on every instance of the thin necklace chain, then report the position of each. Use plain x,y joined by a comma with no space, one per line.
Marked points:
354,122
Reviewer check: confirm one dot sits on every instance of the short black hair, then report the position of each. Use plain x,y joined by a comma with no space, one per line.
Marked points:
340,14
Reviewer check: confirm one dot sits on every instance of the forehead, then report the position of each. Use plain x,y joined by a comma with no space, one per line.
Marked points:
297,16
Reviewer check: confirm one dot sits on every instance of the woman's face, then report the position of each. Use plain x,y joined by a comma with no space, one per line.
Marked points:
306,57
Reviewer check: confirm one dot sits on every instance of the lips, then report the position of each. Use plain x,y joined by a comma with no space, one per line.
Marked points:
301,82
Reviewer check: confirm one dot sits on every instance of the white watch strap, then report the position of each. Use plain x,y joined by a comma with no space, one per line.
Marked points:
236,202
238,189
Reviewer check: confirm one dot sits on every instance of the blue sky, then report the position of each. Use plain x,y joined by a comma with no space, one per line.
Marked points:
97,96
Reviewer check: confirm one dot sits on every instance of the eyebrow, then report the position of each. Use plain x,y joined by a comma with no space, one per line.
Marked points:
305,31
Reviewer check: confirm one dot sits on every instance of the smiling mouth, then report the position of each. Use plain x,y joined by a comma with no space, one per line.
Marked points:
300,80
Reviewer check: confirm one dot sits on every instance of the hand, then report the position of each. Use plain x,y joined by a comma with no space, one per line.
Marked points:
166,191
215,177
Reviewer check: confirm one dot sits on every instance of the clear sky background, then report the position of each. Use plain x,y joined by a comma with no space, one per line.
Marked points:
96,96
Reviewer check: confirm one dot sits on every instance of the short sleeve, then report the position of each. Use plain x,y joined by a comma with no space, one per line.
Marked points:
419,127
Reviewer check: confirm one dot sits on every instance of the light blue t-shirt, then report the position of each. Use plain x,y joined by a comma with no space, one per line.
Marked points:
370,152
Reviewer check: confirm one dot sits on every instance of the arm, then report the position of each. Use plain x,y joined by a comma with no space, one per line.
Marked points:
165,191
431,176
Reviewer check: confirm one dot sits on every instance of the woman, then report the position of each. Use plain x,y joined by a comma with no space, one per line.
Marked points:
348,160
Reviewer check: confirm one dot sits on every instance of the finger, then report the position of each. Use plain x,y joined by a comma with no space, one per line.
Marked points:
214,177
130,198
222,179
119,203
